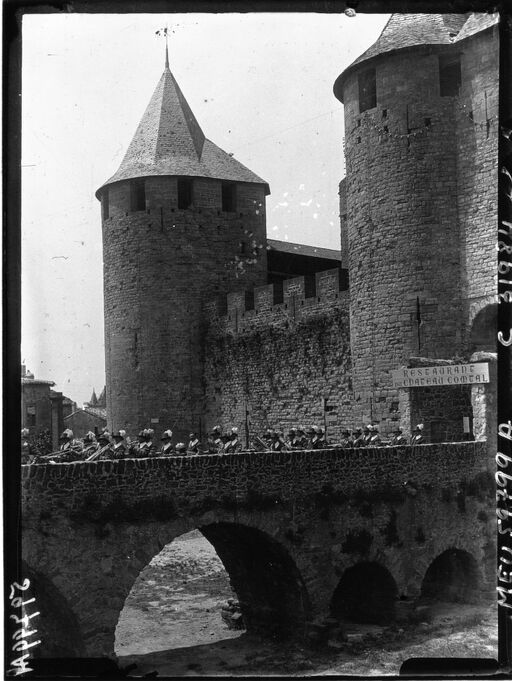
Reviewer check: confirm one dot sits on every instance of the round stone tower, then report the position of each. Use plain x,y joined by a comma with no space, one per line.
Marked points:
179,218
411,102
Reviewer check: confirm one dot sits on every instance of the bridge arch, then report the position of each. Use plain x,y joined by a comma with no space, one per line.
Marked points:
272,594
366,593
452,576
270,589
57,626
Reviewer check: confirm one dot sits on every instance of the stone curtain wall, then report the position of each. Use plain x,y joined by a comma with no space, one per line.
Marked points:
477,157
198,483
280,360
160,265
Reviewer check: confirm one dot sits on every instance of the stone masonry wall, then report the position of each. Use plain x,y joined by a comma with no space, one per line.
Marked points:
477,158
159,266
414,162
280,361
441,410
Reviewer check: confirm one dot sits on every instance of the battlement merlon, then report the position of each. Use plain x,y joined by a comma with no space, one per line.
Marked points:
298,297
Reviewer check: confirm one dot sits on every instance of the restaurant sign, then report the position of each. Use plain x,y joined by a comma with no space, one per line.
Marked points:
448,374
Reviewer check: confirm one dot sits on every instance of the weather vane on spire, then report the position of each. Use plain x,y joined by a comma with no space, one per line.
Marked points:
165,32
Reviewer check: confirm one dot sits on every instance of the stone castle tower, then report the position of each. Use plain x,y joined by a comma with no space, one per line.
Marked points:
418,222
176,217
296,346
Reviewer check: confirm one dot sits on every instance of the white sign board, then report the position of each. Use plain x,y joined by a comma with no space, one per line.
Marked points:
449,374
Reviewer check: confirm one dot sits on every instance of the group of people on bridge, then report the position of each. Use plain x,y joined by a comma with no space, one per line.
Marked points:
118,445
314,438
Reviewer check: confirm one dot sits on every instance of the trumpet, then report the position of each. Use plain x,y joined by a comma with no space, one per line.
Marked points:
97,453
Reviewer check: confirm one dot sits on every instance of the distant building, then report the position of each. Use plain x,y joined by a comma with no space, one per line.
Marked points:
41,407
81,421
92,416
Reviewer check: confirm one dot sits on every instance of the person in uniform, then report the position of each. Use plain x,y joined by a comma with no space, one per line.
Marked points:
367,434
104,451
267,438
346,439
193,444
215,444
166,449
278,442
398,438
417,437
180,449
301,440
28,451
70,449
375,439
358,437
321,442
292,434
151,441
146,447
119,449
233,444
312,437
89,444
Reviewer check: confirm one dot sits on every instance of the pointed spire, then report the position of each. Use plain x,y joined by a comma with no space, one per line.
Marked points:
170,141
102,399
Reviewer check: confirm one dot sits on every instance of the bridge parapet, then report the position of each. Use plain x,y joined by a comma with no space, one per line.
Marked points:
196,484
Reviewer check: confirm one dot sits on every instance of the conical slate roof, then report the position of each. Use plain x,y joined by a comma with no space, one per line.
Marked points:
412,30
169,141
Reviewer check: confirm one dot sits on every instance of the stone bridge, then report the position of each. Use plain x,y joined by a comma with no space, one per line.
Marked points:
301,534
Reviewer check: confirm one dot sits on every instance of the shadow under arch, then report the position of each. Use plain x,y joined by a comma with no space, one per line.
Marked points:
366,593
482,336
452,576
271,592
57,626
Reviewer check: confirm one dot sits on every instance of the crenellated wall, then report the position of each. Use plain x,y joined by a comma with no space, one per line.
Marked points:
281,353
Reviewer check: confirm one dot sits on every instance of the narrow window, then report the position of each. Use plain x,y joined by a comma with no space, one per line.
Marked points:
184,193
449,76
137,195
367,90
228,197
105,204
31,417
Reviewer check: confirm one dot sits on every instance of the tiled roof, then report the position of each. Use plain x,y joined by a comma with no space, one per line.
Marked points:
411,30
36,381
99,412
476,22
303,249
169,141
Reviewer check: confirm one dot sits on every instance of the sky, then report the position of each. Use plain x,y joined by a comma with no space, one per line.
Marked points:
260,86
